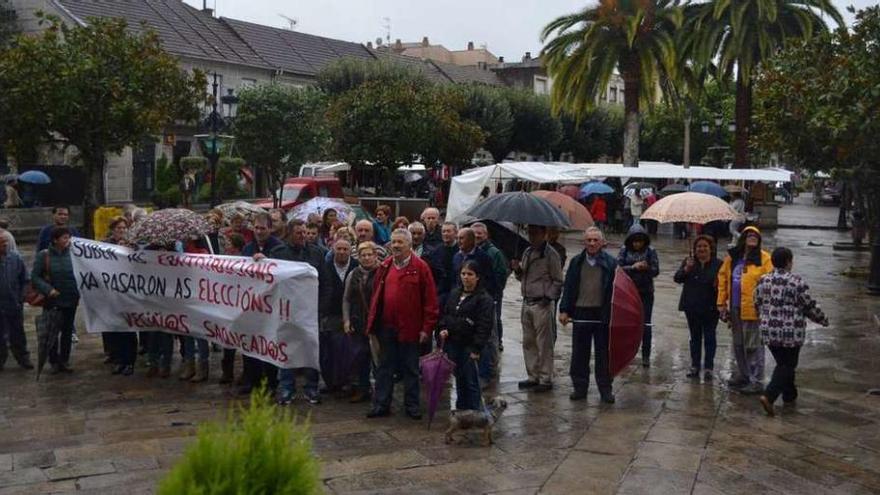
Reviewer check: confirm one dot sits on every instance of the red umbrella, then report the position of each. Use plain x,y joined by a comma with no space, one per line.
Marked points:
627,323
571,191
436,369
577,214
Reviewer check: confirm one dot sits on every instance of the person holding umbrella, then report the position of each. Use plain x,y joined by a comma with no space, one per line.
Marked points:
586,301
698,274
599,211
738,276
13,282
382,225
541,275
500,272
53,277
403,312
784,304
640,261
325,235
465,329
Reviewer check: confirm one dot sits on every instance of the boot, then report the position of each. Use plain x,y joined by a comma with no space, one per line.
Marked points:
227,369
187,370
201,373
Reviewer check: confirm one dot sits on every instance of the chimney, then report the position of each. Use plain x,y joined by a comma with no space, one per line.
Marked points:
398,45
425,41
370,45
208,11
527,56
470,46
500,60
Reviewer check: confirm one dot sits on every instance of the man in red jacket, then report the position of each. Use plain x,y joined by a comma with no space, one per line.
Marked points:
403,313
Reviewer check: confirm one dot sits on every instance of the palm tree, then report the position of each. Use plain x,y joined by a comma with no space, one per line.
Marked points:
740,34
634,37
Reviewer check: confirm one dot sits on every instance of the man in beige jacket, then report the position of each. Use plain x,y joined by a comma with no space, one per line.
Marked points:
541,275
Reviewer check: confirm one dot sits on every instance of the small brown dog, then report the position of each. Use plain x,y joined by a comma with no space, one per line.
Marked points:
470,418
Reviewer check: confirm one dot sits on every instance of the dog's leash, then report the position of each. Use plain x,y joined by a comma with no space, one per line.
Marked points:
480,388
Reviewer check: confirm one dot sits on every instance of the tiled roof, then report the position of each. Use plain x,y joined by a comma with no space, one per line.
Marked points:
431,72
182,29
460,74
294,51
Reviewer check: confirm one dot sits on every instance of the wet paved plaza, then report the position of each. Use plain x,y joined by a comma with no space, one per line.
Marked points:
91,432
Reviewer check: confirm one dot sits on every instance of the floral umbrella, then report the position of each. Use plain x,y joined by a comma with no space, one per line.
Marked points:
692,207
165,227
243,208
319,205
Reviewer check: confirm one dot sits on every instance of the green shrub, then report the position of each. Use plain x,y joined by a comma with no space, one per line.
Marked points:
258,450
194,163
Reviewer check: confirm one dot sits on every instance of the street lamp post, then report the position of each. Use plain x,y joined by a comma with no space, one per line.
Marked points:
718,129
215,123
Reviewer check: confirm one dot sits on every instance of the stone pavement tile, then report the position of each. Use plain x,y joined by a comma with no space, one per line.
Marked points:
587,472
40,459
120,481
845,470
48,443
669,457
651,480
400,459
109,451
687,438
5,462
22,477
701,488
149,433
729,482
682,421
126,464
343,427
605,440
66,486
74,470
530,480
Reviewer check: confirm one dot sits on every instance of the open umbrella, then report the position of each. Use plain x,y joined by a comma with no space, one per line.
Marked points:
707,187
733,188
505,237
436,368
594,187
321,204
519,207
243,208
673,189
570,190
165,227
690,207
626,325
48,325
34,177
577,214
640,185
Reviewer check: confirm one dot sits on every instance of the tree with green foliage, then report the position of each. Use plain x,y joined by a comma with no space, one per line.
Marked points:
535,129
449,139
100,88
349,73
278,128
634,37
598,134
488,107
260,449
740,35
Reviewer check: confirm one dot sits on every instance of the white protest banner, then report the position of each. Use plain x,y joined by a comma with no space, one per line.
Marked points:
266,309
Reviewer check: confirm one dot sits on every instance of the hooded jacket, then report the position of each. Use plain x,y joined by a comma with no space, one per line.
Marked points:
757,264
644,279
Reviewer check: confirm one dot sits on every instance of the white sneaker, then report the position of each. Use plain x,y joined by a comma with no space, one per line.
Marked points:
74,339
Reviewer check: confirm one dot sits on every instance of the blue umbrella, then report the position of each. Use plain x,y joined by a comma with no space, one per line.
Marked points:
595,187
708,187
34,177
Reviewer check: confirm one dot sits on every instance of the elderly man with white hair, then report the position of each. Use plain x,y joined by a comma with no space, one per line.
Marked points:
433,229
364,230
403,313
417,231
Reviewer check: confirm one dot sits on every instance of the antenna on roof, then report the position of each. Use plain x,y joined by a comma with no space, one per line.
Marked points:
386,23
292,21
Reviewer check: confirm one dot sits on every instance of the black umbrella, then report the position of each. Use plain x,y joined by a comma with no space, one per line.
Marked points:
519,207
504,237
48,327
673,189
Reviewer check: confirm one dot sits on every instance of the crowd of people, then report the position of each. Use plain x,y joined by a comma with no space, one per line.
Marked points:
396,289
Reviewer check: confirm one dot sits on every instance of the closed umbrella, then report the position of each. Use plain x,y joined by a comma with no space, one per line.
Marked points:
436,369
577,214
673,189
165,227
690,207
520,208
48,325
626,325
708,187
321,204
34,177
594,187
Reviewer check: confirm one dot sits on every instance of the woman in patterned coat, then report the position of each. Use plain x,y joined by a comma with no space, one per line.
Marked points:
783,305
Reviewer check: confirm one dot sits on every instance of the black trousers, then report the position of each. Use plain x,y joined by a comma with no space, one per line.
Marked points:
12,328
254,371
60,353
583,336
395,355
782,381
122,347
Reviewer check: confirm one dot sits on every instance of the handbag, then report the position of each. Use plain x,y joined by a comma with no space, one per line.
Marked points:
32,295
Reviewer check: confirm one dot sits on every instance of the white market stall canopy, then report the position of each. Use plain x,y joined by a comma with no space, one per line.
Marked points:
466,187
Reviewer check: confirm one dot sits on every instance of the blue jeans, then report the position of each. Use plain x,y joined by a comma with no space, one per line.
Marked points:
191,345
467,385
702,326
394,355
648,308
287,381
161,349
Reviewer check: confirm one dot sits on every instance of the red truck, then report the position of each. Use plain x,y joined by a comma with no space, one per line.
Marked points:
298,190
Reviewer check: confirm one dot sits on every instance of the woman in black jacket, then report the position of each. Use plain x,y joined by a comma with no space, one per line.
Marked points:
699,274
465,327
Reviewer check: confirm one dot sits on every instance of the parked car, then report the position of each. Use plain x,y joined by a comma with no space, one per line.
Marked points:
298,190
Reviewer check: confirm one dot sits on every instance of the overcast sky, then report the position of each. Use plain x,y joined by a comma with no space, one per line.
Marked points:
508,28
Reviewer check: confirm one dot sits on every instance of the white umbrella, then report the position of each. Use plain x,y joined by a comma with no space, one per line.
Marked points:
320,204
690,207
